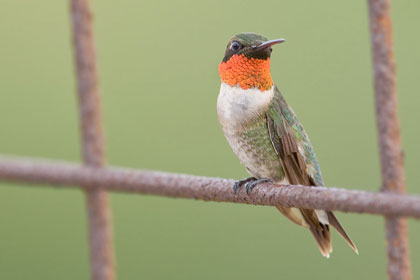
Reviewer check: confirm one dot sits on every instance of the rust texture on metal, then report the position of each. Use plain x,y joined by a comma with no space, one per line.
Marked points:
204,188
99,216
391,154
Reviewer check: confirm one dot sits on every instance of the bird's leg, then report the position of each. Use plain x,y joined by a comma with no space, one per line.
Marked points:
239,184
251,184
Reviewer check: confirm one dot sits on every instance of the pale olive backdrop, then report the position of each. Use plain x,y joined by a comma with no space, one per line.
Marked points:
158,74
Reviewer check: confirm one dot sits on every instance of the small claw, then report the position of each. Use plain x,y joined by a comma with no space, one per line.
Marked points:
236,186
250,185
239,184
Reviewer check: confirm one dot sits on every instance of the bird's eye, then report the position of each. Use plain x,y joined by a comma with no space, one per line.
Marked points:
235,46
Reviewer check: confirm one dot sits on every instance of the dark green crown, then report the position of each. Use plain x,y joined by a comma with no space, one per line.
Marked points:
250,39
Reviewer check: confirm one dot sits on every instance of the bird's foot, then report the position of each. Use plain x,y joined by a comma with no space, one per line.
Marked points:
239,184
249,183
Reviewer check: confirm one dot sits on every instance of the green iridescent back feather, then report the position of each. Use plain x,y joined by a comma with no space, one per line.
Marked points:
278,110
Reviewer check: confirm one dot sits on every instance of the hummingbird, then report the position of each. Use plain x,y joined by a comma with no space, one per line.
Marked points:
265,133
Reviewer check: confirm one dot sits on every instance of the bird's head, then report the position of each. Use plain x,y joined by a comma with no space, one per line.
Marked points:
247,61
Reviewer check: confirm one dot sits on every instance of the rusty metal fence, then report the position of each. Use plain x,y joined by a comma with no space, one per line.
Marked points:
96,178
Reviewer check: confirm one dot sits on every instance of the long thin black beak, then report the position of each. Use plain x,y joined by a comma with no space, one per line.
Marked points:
268,44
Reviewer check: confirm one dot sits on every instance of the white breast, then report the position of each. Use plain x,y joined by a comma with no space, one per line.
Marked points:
235,106
240,113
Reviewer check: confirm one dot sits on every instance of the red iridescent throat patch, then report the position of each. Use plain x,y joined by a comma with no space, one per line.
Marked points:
246,72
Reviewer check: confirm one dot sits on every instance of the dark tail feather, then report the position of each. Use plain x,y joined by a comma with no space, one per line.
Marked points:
336,224
320,231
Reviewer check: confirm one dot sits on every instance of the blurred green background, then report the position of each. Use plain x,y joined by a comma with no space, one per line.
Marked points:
158,73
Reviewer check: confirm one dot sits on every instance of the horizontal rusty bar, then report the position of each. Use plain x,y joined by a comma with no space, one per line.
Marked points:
204,188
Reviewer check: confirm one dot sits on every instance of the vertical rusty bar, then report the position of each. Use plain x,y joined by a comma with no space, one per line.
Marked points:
391,154
99,217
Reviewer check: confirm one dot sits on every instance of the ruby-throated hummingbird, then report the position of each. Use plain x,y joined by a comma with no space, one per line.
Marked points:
266,135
